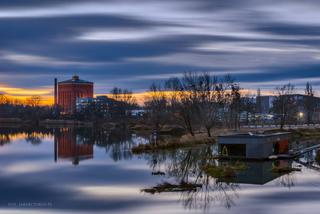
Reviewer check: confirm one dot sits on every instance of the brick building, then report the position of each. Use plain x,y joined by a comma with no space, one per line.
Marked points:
68,91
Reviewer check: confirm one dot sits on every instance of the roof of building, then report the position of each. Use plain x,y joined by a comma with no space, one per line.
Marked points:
75,79
253,135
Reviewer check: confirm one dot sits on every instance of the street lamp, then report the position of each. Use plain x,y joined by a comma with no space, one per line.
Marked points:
300,115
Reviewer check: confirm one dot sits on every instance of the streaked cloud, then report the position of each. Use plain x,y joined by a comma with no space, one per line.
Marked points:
131,43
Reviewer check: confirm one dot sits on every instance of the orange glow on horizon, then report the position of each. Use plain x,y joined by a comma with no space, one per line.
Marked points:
22,94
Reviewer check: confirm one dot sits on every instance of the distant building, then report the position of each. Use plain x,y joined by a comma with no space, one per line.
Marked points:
137,112
100,104
103,106
70,90
266,104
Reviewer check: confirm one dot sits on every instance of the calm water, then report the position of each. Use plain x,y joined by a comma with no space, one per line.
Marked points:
93,171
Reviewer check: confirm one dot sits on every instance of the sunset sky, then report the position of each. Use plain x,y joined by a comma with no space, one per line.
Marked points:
131,43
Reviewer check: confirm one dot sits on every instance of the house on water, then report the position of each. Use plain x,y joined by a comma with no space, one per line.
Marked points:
254,146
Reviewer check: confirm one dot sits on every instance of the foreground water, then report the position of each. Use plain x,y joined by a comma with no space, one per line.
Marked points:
93,171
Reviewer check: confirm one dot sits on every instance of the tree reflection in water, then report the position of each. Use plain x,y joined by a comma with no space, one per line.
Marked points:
33,135
117,142
287,180
186,167
183,168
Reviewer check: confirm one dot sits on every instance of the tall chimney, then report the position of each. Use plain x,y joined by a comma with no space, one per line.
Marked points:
55,92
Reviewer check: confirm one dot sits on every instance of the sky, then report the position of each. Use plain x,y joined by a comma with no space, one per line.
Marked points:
132,43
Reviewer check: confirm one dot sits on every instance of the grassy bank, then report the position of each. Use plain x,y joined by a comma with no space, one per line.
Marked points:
305,134
182,142
224,171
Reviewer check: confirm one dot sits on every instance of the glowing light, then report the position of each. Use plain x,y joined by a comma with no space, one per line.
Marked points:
301,114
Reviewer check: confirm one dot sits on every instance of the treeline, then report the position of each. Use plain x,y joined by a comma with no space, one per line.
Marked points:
196,102
203,102
30,109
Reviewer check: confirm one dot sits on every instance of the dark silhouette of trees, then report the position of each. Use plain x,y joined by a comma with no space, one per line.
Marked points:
309,102
34,101
197,102
284,104
157,107
30,110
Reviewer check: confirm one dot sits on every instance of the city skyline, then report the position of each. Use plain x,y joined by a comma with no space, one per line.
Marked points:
118,43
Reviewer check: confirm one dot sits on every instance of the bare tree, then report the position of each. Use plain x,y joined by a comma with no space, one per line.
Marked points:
125,102
201,101
284,103
231,102
123,95
34,100
179,106
156,105
3,99
309,103
235,105
182,102
208,101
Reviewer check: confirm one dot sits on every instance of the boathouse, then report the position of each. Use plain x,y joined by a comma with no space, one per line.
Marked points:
254,146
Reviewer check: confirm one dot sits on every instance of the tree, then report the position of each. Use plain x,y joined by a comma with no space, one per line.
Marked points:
125,100
34,100
123,95
179,112
156,105
208,101
309,103
181,103
3,99
284,103
235,105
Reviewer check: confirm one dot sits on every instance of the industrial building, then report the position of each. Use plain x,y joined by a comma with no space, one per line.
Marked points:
66,93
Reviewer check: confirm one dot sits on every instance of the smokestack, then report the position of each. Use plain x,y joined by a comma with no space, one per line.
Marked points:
55,92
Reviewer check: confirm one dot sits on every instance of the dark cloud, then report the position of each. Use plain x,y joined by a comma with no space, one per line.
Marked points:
147,41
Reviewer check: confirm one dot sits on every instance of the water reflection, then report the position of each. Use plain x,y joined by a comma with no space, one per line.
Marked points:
30,135
76,144
109,177
186,168
68,145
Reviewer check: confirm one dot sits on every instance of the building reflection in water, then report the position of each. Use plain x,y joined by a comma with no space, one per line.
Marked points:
70,146
258,172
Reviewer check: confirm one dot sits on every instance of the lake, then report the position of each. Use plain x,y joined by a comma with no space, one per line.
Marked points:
66,170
